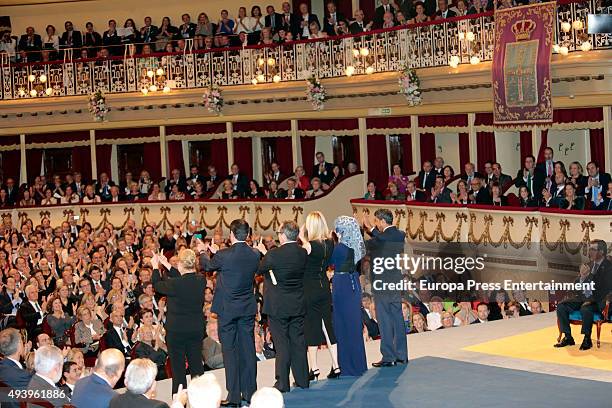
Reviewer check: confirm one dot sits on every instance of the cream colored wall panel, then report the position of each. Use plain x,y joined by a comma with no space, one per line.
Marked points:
508,152
569,145
447,147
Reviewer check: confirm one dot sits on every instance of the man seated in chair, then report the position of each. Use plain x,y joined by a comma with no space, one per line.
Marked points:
588,302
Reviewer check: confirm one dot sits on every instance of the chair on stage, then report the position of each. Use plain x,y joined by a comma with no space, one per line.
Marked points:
599,319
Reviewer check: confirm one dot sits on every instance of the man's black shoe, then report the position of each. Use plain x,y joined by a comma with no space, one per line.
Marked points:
567,341
586,344
226,403
384,364
401,361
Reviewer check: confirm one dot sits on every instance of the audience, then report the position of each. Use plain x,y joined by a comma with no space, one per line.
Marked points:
140,383
96,390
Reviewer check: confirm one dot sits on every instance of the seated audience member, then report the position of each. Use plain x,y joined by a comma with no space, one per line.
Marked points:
316,190
273,192
31,312
536,307
398,178
440,193
322,169
12,371
240,181
211,347
448,173
461,8
254,191
156,193
225,25
465,315
426,177
531,178
228,192
58,320
447,320
267,397
479,6
303,181
367,316
48,365
434,317
443,11
71,373
482,311
497,199
118,336
419,324
359,25
462,196
570,201
141,385
393,193
176,194
525,199
504,180
521,299
479,193
498,304
332,19
149,346
385,7
202,392
388,20
412,194
88,331
400,18
273,174
372,193
352,168
577,177
605,200
420,15
470,173
96,390
512,311
336,176
293,192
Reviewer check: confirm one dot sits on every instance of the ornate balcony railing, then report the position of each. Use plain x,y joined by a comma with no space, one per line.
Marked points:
420,45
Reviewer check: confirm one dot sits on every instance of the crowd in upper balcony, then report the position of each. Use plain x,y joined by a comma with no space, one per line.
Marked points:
548,184
247,27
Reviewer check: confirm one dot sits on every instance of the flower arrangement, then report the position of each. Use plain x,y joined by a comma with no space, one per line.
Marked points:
409,84
213,99
97,106
315,92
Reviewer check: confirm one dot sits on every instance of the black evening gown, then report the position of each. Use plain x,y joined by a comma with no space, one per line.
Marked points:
317,295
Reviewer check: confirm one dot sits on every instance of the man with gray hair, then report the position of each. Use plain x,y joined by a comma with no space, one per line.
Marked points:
140,383
48,365
203,392
11,369
96,390
268,397
283,269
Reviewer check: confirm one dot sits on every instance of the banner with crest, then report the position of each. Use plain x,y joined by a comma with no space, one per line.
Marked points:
522,84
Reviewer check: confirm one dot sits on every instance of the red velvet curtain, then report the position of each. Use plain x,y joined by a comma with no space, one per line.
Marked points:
464,150
152,160
428,146
33,163
296,6
345,7
598,152
377,160
368,7
219,158
283,154
406,146
355,152
307,143
11,164
543,144
81,161
243,155
526,148
103,160
175,155
485,148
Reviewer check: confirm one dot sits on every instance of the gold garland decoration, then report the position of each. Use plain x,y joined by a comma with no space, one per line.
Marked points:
84,214
244,210
187,209
104,212
164,220
221,210
561,244
297,210
129,211
274,222
506,237
438,232
68,214
399,214
144,211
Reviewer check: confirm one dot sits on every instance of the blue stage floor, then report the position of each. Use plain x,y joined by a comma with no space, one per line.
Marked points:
430,382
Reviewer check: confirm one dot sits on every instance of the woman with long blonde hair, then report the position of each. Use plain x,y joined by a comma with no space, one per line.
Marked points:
318,326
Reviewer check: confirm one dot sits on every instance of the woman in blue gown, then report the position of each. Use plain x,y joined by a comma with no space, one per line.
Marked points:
346,297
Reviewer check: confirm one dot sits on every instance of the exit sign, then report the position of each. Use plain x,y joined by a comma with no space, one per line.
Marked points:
379,112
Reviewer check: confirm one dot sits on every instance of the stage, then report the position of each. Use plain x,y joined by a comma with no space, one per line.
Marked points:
502,363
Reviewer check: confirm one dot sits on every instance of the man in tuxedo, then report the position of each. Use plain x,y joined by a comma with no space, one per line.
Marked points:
332,18
283,269
529,177
12,192
305,19
597,183
140,383
187,29
482,311
117,335
12,372
387,242
440,193
239,180
385,7
499,176
521,299
443,11
588,301
31,43
359,25
412,194
273,19
427,177
31,313
480,194
48,365
234,304
322,169
291,22
184,316
293,192
96,390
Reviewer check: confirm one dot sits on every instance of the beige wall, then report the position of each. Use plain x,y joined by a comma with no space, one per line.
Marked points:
100,11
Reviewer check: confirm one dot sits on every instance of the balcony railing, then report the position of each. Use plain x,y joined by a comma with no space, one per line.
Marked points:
420,45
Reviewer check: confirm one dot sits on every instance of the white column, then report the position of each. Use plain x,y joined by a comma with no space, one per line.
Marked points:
607,119
186,156
163,151
114,163
295,146
257,159
472,140
586,134
388,146
92,152
355,4
536,141
363,148
229,129
23,172
415,139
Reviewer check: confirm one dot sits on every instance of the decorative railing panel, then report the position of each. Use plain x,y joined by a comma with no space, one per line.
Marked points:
420,46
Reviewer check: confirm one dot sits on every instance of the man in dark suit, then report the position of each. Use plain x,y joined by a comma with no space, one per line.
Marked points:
212,179
523,303
176,178
531,178
427,177
412,194
443,11
140,383
322,169
597,183
360,25
332,18
184,316
385,7
440,193
503,179
305,19
148,32
12,372
187,29
283,269
96,390
480,194
234,304
103,187
273,19
239,180
71,38
366,316
588,301
387,242
117,336
12,192
31,313
470,173
71,373
31,43
547,167
291,22
293,192
48,365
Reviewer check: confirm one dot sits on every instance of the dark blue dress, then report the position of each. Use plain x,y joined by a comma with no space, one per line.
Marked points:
346,297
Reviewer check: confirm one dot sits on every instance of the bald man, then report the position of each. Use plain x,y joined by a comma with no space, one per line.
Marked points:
96,390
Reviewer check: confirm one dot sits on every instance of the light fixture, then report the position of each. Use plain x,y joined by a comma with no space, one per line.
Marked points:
42,78
470,36
260,61
271,61
566,26
461,35
586,46
355,52
276,78
454,61
150,73
563,50
254,81
261,78
474,60
349,71
577,25
32,78
22,92
160,71
556,48
144,91
166,89
153,88
369,70
48,91
33,93
364,52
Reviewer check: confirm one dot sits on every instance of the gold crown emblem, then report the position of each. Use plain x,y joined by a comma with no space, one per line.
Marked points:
522,29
